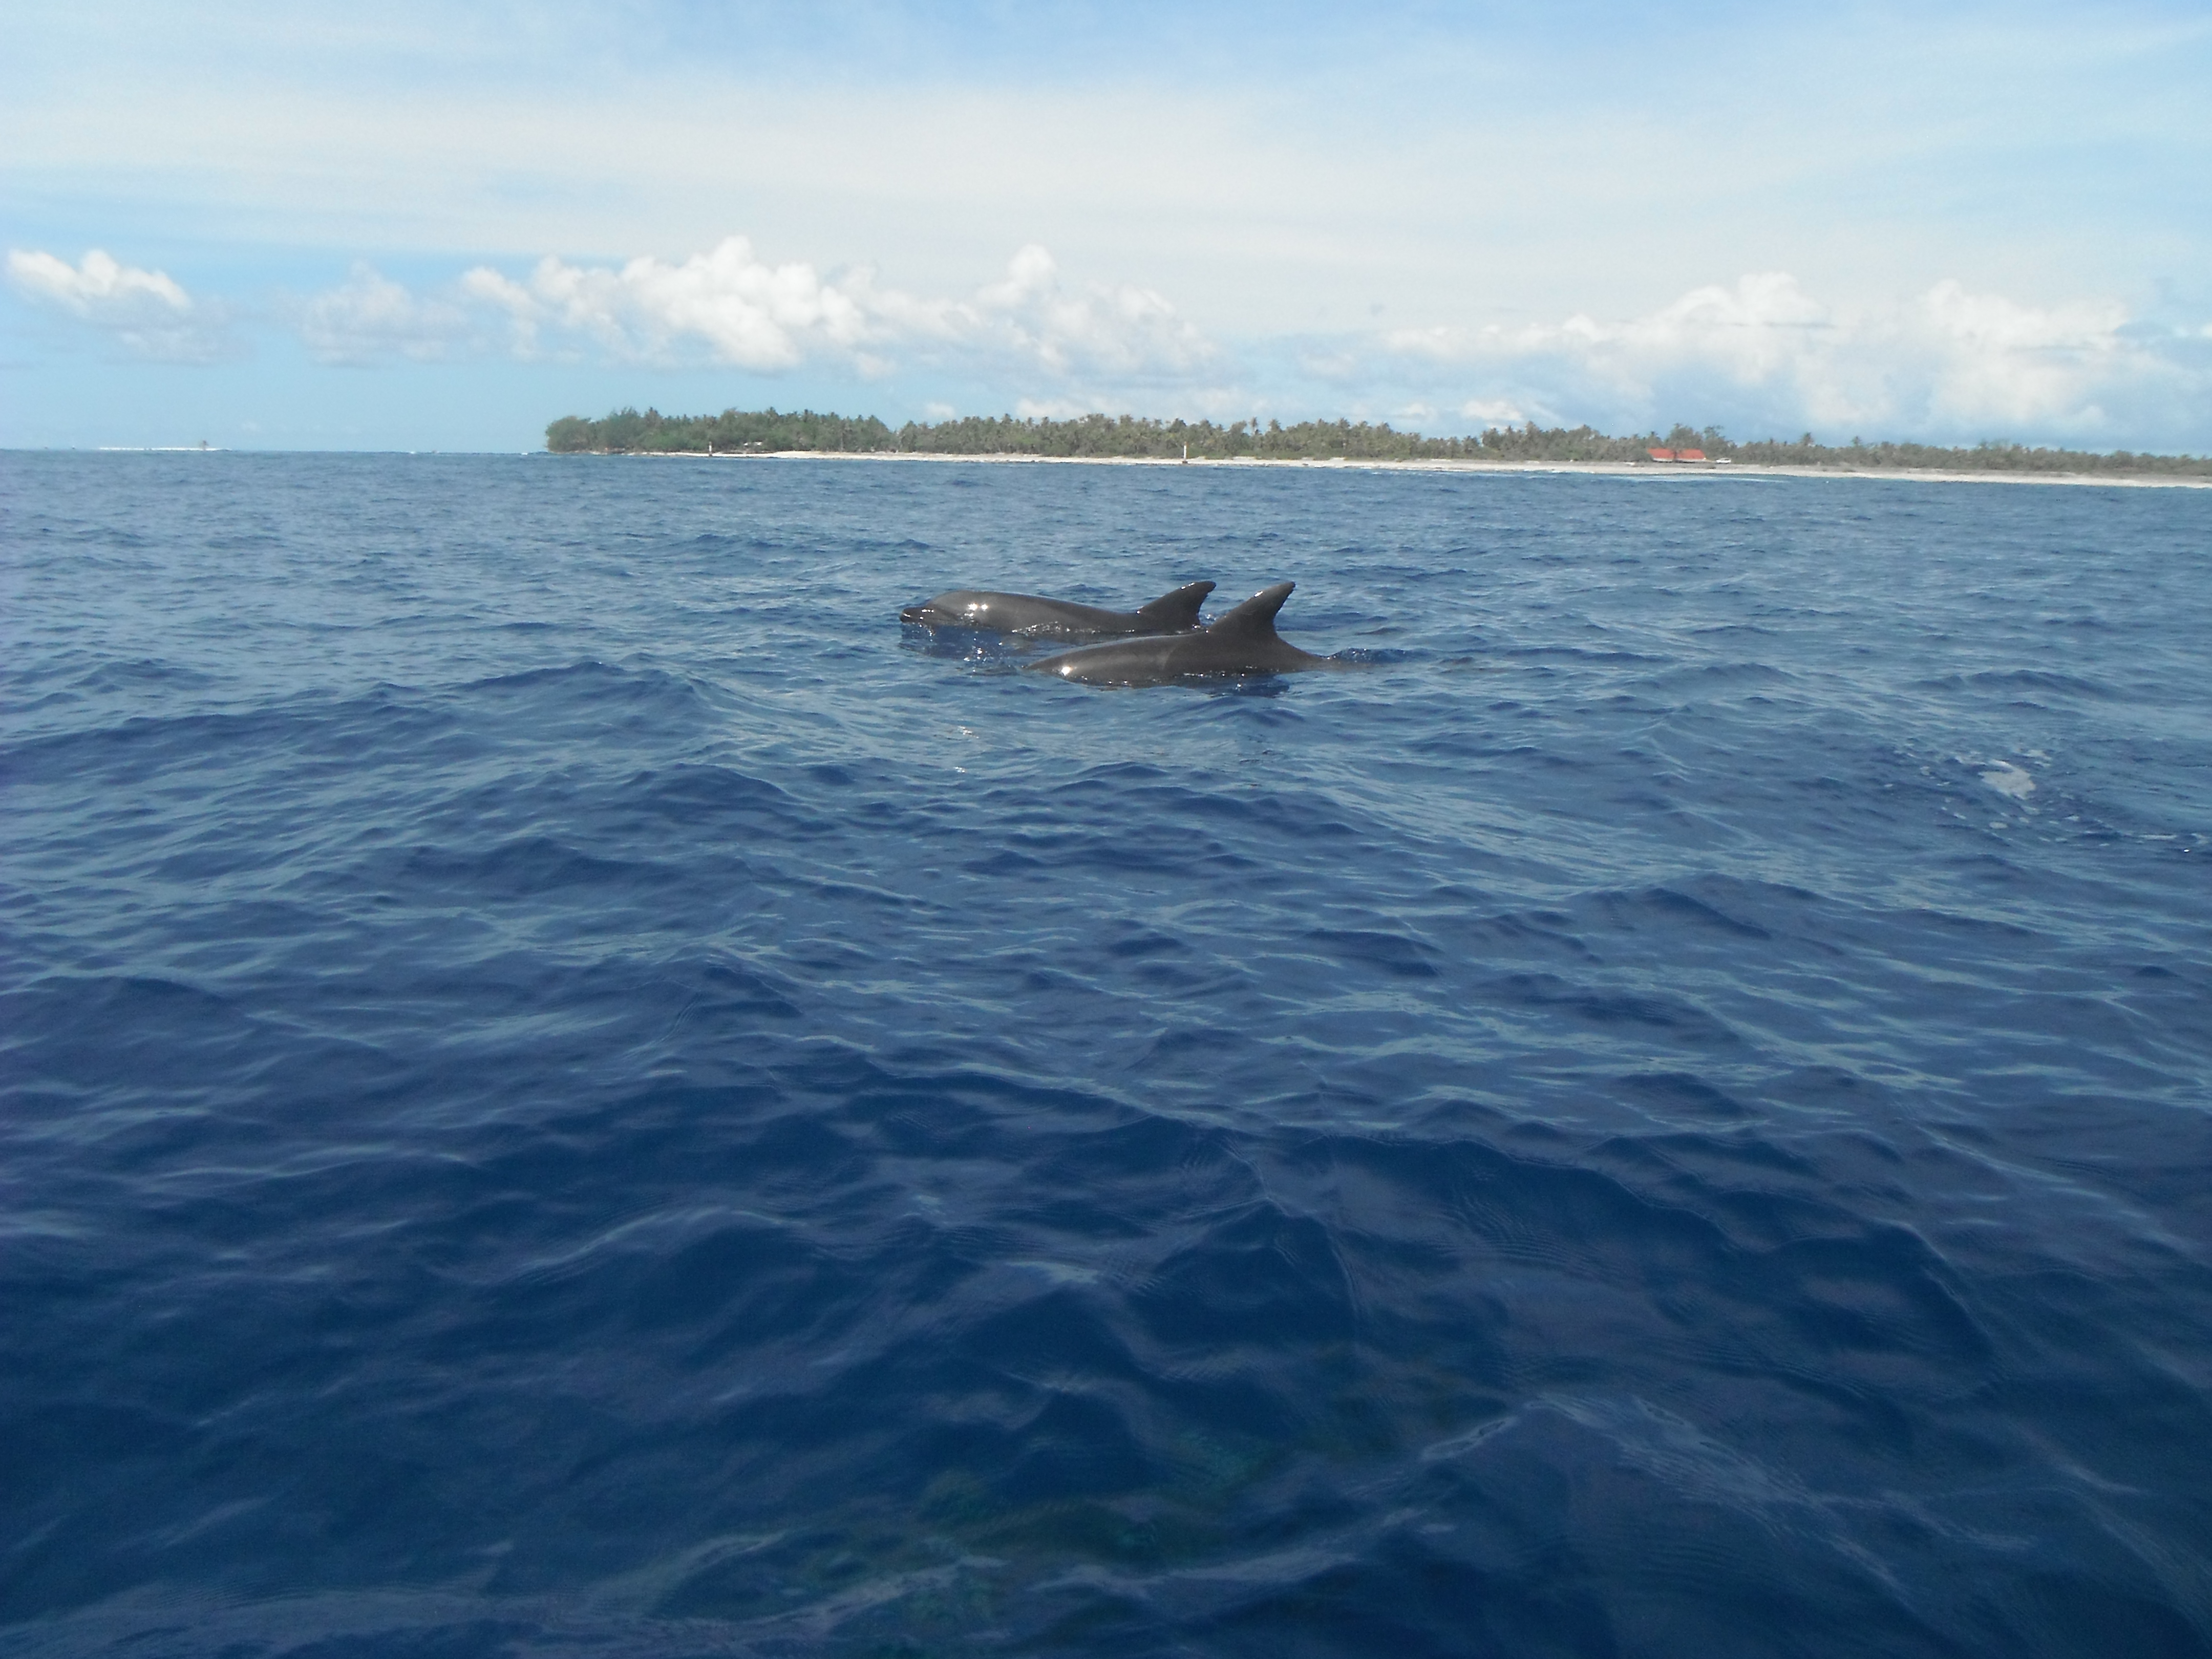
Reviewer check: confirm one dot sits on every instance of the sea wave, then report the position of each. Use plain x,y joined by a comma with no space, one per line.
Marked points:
572,1088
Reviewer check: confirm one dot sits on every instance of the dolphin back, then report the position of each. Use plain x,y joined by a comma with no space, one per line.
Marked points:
1240,641
1176,612
1254,621
1035,615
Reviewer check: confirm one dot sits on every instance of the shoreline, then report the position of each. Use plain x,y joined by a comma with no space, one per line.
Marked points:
1597,469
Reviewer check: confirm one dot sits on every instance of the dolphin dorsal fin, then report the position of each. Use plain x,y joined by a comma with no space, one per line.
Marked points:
1178,609
1254,619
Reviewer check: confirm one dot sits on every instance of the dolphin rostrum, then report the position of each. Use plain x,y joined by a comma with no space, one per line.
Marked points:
1026,614
1238,642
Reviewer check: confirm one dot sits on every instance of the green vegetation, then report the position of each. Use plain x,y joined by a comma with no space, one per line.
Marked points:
626,432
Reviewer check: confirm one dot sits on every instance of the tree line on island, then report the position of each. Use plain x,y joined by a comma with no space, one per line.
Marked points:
627,432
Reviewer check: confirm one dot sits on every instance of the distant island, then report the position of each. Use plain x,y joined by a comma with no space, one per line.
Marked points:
1130,437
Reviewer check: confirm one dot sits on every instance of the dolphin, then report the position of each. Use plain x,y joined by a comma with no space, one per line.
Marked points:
1238,642
1026,614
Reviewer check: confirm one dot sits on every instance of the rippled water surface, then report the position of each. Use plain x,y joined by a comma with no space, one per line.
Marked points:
569,1088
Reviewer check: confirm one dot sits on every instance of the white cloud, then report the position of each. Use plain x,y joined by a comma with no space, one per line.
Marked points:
369,317
98,287
1053,409
1948,363
146,312
1762,356
728,306
1121,333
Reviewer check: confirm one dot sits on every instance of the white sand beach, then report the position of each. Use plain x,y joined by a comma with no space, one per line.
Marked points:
1671,470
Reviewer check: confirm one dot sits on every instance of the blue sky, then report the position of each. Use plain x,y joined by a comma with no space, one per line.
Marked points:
439,228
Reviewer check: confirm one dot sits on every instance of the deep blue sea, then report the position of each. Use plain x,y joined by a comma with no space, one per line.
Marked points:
572,1088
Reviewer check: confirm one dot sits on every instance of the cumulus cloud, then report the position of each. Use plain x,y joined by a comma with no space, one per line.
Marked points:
1760,355
1948,363
99,287
146,312
1030,332
726,305
1121,332
729,305
369,318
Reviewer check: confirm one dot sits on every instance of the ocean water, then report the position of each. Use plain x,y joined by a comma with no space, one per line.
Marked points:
570,1088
